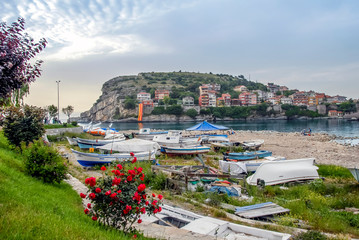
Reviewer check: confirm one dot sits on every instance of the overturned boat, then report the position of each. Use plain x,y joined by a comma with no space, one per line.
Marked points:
279,172
238,156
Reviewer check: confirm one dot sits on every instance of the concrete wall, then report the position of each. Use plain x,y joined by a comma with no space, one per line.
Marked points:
58,131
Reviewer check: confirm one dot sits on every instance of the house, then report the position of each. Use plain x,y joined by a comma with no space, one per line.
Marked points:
188,101
320,98
141,96
161,94
206,88
227,99
261,95
273,87
240,88
212,99
333,113
286,100
147,103
220,102
235,102
247,98
300,98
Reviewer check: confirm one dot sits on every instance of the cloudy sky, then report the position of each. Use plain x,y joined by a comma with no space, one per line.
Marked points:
303,44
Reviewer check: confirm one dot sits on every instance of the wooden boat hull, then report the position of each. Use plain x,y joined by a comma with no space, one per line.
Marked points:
187,151
249,155
93,143
92,159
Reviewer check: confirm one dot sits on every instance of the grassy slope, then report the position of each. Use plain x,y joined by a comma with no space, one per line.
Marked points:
30,209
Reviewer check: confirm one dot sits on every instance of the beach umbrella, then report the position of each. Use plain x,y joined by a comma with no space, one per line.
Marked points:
206,126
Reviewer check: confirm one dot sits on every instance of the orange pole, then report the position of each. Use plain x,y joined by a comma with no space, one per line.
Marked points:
140,112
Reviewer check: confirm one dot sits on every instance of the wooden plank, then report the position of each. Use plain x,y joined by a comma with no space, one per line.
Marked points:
260,210
255,206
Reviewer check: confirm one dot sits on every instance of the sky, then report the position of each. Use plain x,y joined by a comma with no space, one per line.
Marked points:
302,44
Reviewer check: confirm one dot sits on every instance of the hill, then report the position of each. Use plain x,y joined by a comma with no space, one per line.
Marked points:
115,92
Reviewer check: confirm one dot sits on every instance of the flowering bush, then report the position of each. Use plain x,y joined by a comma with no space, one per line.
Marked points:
119,198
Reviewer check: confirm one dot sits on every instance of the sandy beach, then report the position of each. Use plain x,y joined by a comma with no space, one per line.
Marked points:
294,145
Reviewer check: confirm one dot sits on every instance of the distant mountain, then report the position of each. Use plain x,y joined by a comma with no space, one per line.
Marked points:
110,105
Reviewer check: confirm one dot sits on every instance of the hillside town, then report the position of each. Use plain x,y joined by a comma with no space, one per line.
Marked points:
276,95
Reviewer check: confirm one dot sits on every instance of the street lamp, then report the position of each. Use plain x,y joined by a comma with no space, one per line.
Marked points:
58,101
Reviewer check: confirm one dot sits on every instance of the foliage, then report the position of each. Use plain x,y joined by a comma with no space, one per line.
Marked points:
68,111
55,126
309,235
45,163
175,110
333,171
158,110
52,110
119,199
47,205
347,107
129,103
23,124
191,113
16,51
292,110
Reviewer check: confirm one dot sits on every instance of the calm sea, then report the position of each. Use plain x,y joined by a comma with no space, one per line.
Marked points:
338,127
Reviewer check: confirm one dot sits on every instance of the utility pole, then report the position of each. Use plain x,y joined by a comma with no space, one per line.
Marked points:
58,100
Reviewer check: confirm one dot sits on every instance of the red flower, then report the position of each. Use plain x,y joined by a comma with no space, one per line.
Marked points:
143,210
144,196
108,192
141,187
139,220
160,196
135,236
131,153
117,173
119,166
136,197
86,211
98,190
89,205
113,195
134,159
116,181
132,172
119,191
159,209
82,195
92,196
146,203
154,202
94,218
129,178
139,170
155,211
153,195
91,181
103,168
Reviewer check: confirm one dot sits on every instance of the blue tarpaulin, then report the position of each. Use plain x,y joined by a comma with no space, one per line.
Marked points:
205,126
231,191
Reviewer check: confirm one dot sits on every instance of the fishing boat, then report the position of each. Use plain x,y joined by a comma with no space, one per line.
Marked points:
252,165
72,141
186,150
147,134
175,139
92,159
253,144
95,143
279,172
248,155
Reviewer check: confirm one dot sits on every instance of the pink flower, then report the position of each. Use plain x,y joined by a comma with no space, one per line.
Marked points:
98,190
103,168
82,195
141,187
89,205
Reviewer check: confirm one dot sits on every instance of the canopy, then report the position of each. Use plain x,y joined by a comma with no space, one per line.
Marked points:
132,145
205,126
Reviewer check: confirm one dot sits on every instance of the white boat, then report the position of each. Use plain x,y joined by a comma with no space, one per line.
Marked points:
95,143
187,150
355,173
131,145
147,134
92,159
252,165
253,144
175,139
278,172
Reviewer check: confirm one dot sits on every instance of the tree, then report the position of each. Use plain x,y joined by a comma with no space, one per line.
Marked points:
23,124
166,100
129,103
192,113
68,111
52,110
16,51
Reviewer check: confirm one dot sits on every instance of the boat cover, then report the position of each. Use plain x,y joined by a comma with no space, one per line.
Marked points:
234,168
206,126
132,145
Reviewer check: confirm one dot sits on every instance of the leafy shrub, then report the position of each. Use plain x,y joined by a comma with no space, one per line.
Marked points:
23,124
44,162
119,199
310,235
334,171
192,113
74,123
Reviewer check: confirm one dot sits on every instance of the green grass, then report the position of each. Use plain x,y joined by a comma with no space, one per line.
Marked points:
30,209
64,125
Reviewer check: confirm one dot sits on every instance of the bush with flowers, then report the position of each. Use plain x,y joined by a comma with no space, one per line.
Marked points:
119,198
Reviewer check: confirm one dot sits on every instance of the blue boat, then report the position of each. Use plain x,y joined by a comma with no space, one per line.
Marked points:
248,155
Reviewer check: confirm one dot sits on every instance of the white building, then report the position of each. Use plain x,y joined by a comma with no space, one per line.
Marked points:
143,96
286,100
212,100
